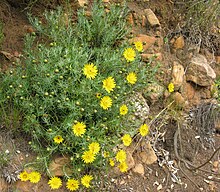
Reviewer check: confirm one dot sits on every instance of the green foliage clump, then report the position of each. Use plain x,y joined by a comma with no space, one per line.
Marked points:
55,93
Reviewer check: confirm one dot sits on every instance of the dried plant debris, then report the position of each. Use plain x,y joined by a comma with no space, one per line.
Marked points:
203,118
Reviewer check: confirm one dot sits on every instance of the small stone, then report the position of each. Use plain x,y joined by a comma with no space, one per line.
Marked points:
179,43
217,125
153,92
178,75
139,168
57,165
144,20
105,1
82,2
179,100
131,19
217,59
200,72
159,187
148,155
147,41
151,17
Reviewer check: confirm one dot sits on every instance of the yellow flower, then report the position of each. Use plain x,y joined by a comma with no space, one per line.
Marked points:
72,184
111,162
144,130
123,110
121,156
106,102
106,154
126,139
123,167
109,84
88,156
24,176
132,78
138,45
129,54
58,139
94,147
90,71
79,128
171,87
55,183
86,180
34,177
98,95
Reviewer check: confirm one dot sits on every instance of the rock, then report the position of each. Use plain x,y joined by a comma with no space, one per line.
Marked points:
217,59
153,92
139,168
3,185
140,106
178,75
147,56
200,72
130,19
190,94
82,2
58,165
179,43
151,17
217,125
130,160
147,41
179,100
147,155
115,172
144,21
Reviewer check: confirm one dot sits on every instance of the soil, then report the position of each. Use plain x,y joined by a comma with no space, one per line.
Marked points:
174,175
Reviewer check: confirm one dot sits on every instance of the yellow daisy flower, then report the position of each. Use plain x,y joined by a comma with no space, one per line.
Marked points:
72,184
94,147
24,176
34,177
55,183
121,156
111,162
90,71
79,128
88,156
129,54
144,130
123,110
106,102
58,139
123,167
109,84
132,78
98,95
138,45
126,139
106,154
86,180
171,87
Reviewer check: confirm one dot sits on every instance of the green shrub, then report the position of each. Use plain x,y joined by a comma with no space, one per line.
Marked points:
61,102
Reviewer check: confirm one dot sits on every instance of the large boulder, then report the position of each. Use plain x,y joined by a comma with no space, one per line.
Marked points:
200,72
